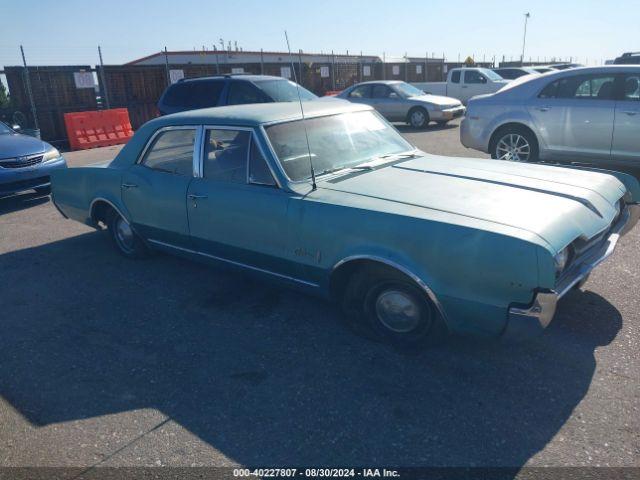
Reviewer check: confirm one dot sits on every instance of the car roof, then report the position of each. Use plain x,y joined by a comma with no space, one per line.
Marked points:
258,113
236,76
371,82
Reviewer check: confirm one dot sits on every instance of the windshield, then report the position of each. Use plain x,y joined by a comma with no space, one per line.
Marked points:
4,129
336,141
284,91
407,90
491,74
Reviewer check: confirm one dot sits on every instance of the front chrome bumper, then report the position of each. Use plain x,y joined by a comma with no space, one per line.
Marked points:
524,322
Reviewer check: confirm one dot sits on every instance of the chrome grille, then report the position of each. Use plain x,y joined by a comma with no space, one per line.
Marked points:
21,162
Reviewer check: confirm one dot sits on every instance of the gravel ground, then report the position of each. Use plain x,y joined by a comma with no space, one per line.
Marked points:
110,362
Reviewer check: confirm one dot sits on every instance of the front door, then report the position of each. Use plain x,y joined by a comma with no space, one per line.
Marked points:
626,133
236,211
388,103
154,190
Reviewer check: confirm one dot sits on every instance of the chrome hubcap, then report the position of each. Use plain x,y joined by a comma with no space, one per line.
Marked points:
513,147
398,311
124,235
417,118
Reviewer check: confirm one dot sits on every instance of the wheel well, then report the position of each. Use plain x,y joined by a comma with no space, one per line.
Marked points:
100,212
341,276
506,126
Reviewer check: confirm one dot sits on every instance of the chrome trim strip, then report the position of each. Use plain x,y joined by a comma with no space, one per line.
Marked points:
198,148
406,271
238,264
102,199
592,259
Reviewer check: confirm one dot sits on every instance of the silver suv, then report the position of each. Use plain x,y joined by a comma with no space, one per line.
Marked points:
582,114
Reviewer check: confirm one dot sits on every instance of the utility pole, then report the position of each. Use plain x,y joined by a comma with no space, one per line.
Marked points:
524,38
103,80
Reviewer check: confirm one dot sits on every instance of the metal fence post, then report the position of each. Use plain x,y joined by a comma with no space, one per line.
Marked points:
215,49
384,66
166,65
261,62
29,92
426,64
406,67
300,66
333,70
103,79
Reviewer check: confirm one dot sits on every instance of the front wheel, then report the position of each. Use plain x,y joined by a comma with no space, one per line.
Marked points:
418,117
124,238
515,144
386,305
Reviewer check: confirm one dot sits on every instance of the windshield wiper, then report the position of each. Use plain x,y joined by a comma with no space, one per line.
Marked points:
377,161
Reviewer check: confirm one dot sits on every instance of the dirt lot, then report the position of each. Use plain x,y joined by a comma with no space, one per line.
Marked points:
110,362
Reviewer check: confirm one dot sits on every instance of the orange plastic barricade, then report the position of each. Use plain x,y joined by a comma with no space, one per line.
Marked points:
99,128
332,93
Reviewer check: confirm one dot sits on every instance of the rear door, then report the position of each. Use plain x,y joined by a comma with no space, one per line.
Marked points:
575,116
626,132
360,94
154,190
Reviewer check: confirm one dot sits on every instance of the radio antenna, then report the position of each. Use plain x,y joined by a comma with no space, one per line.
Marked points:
304,124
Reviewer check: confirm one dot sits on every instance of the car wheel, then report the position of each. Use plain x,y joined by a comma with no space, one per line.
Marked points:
418,117
43,190
385,305
124,238
515,144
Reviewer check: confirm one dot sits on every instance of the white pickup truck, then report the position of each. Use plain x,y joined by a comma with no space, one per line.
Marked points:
464,83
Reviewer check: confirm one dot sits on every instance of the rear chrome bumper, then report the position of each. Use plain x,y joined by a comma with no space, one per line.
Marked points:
525,322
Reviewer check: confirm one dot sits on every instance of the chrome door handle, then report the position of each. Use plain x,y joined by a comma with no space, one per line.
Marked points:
544,109
630,112
129,185
195,197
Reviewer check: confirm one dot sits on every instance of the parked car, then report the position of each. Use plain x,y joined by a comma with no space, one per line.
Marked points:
220,90
400,102
628,58
543,69
464,83
26,162
511,73
339,204
583,114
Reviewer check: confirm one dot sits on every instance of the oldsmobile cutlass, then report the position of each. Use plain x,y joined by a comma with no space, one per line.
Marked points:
411,245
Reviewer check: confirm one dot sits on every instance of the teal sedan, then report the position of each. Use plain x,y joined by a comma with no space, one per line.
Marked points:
336,202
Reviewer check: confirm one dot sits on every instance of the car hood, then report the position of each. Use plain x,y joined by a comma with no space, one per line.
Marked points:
16,145
436,100
554,205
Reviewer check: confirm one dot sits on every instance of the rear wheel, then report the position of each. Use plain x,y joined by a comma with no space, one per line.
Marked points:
516,144
386,305
124,238
418,117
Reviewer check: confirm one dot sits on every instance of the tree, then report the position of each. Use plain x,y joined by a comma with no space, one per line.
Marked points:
4,98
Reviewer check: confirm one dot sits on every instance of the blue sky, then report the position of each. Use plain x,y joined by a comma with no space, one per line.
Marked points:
68,32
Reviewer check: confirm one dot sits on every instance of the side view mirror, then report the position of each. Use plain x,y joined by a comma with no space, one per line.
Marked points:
394,95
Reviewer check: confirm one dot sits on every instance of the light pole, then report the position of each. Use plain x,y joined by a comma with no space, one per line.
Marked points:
524,39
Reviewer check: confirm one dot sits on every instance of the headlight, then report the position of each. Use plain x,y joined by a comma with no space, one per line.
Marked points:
562,260
51,154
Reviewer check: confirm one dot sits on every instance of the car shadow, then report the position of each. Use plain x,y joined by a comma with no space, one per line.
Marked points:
433,127
14,203
269,376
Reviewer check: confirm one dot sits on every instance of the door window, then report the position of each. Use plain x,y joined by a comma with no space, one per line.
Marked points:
259,172
473,76
363,91
581,87
243,92
455,77
632,87
225,156
172,152
382,91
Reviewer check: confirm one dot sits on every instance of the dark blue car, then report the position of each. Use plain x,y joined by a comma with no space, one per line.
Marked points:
26,162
